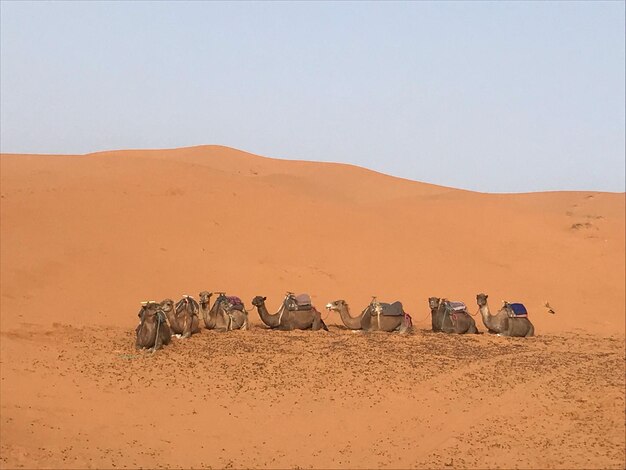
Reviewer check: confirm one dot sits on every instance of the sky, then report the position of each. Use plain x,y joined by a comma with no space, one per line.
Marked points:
486,96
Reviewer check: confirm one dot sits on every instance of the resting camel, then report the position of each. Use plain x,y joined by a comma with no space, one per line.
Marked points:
374,317
152,331
447,320
502,323
290,316
227,313
183,317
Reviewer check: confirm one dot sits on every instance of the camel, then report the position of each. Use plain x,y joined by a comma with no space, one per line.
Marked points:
290,316
226,314
372,318
446,320
501,323
182,317
152,331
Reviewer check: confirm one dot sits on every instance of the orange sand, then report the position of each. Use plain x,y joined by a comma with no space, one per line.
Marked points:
86,238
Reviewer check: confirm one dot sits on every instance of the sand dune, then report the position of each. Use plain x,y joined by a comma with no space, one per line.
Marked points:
86,238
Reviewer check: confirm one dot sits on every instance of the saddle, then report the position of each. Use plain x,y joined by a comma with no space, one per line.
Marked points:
298,302
388,310
230,302
189,303
455,307
516,310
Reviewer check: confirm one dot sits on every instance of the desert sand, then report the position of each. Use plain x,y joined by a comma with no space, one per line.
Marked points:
85,238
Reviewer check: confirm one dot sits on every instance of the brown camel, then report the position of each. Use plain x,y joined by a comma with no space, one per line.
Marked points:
152,331
447,320
226,314
373,318
501,323
182,317
290,316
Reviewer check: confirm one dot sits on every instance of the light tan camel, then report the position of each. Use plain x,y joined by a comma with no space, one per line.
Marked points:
226,314
502,323
182,317
447,320
373,317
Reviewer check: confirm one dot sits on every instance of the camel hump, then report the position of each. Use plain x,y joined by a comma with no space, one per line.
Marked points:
234,303
303,300
298,302
391,310
230,302
456,306
233,299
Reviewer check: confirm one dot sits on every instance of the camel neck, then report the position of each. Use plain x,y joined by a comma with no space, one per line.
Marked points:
486,314
352,323
207,314
434,313
267,318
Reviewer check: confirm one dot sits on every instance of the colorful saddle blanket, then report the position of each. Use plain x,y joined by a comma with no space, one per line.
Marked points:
231,302
455,307
517,310
235,301
389,310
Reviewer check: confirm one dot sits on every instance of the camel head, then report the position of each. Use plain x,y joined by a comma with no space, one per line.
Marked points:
167,305
205,297
336,305
149,311
433,302
258,301
481,300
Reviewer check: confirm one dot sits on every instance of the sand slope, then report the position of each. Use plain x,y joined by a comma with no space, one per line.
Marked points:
85,238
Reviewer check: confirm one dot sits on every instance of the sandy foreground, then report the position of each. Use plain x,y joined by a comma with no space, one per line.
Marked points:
84,239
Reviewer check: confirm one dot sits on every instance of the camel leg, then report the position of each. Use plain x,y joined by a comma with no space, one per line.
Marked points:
137,345
317,319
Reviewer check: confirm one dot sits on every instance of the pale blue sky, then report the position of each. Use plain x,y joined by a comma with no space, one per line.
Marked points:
488,96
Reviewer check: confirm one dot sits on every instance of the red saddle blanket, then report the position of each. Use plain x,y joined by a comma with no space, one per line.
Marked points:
234,300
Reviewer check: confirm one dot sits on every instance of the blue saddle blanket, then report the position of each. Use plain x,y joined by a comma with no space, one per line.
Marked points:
518,309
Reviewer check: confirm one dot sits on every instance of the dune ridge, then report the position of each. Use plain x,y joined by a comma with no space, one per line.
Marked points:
334,230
